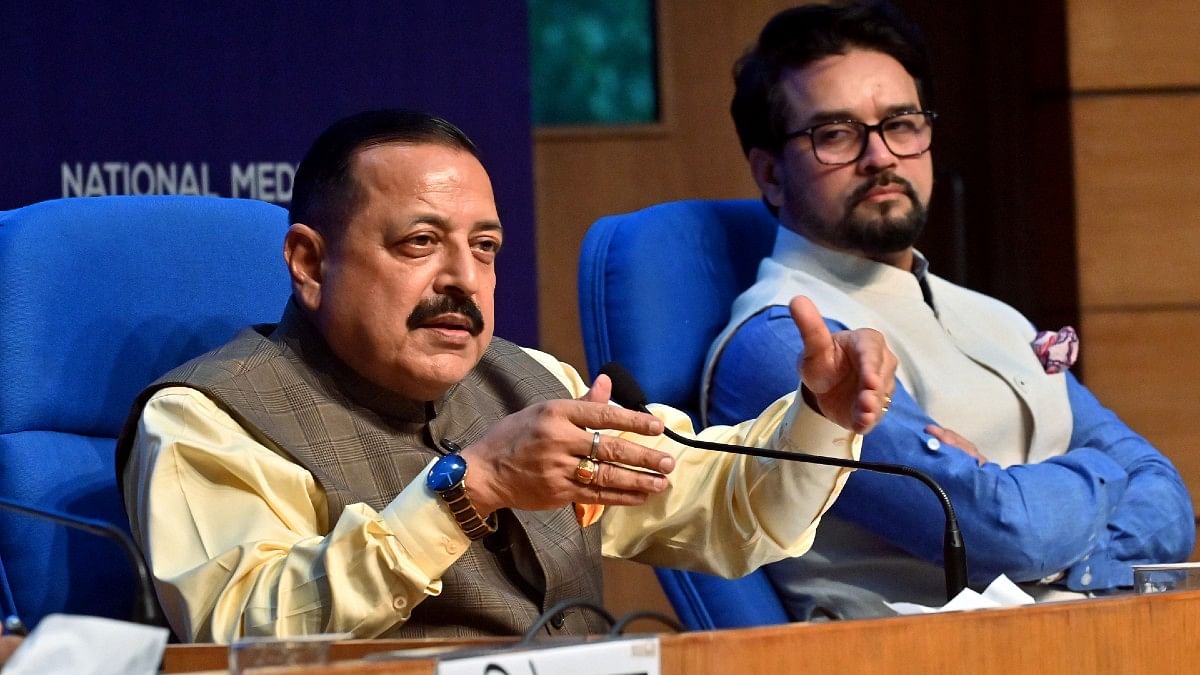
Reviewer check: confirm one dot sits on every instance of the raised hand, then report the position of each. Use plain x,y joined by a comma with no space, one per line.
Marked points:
529,460
851,373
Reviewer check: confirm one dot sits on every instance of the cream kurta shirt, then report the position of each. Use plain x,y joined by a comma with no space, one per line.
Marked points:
233,530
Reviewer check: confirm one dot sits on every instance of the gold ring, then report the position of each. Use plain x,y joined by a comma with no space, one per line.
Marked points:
585,471
595,445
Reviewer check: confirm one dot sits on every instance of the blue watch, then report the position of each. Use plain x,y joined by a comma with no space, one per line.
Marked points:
447,477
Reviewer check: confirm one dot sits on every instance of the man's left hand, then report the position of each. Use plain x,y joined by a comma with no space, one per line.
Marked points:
851,373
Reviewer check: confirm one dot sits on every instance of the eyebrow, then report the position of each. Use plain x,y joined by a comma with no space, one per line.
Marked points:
489,226
844,115
443,224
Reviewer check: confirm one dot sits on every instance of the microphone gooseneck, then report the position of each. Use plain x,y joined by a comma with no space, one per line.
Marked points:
628,393
145,607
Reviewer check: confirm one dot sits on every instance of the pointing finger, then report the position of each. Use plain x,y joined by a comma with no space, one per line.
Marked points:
595,415
812,327
818,367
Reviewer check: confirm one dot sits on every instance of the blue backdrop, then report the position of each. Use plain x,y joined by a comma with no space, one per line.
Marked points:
164,98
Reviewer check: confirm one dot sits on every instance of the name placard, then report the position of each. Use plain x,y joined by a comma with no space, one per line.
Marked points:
637,656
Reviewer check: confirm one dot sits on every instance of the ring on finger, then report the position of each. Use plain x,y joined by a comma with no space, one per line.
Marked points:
887,403
585,471
595,446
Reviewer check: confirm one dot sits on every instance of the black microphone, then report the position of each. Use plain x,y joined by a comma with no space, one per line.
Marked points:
628,393
145,607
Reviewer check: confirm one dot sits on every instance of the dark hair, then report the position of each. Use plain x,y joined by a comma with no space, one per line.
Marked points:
799,36
325,194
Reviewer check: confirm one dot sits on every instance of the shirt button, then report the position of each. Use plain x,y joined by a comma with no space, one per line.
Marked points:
450,545
933,443
1086,578
1020,381
399,603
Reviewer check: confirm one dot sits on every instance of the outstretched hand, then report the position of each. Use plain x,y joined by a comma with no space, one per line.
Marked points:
851,373
529,459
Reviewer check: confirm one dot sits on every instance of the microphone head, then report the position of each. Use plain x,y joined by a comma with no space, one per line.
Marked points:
14,626
625,388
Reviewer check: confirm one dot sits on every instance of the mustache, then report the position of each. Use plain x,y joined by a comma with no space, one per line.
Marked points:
883,179
447,304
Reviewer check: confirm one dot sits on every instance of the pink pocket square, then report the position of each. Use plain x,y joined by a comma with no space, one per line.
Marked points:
1057,350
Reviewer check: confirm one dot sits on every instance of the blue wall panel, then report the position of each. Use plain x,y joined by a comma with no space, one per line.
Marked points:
225,97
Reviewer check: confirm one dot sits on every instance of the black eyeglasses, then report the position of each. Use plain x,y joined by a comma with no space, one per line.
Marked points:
906,134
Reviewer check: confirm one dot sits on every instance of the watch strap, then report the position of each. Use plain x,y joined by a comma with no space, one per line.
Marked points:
465,514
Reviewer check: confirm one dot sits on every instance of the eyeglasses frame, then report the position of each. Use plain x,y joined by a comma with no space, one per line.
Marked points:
930,116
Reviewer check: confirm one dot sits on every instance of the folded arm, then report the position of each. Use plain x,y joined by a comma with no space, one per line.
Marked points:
1153,522
1027,521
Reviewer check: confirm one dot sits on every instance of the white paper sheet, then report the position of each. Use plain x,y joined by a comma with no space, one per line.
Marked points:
88,645
1002,592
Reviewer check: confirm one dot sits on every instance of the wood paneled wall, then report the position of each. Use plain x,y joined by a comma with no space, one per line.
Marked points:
1135,84
693,153
1134,91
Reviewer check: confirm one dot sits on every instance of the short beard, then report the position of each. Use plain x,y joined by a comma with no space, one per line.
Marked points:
876,235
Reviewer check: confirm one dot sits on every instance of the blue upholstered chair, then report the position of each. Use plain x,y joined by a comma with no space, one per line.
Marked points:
655,288
98,297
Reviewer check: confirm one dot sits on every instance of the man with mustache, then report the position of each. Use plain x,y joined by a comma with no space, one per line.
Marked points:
378,463
1050,487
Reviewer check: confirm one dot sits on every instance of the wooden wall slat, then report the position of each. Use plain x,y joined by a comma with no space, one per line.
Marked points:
1143,365
1138,216
1122,44
1135,74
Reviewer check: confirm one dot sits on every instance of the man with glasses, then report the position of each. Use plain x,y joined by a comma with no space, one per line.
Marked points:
1050,487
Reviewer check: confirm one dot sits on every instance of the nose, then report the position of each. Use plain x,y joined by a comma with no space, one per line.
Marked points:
459,273
876,156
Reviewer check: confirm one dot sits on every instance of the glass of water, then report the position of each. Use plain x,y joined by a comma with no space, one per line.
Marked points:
1166,577
302,650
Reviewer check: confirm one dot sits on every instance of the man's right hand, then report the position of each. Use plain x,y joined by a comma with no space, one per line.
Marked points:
851,373
528,460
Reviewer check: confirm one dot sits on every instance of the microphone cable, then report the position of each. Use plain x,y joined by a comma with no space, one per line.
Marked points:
628,393
616,626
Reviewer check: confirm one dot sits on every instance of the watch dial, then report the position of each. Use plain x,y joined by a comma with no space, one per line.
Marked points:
446,473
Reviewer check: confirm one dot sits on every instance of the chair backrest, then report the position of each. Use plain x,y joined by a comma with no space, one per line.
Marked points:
98,297
655,289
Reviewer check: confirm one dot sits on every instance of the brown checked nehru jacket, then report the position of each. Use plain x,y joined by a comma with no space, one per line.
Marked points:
365,444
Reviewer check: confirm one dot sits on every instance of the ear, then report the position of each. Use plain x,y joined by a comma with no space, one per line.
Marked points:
766,169
304,250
